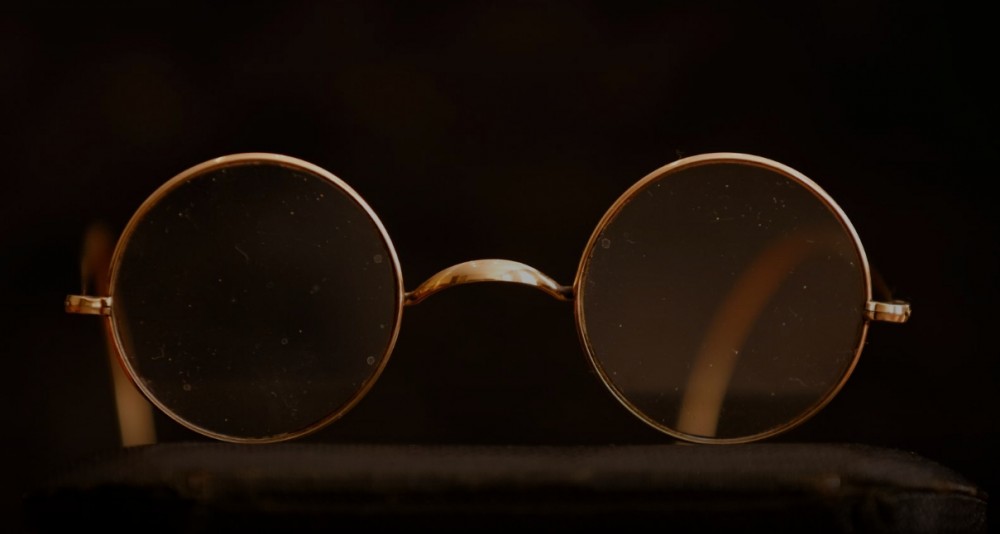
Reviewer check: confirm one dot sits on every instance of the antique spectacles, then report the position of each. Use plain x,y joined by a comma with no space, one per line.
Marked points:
724,298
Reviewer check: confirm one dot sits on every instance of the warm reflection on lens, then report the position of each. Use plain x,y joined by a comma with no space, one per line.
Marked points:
723,300
255,299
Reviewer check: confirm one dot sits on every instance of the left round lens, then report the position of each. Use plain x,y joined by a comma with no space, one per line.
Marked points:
255,298
721,299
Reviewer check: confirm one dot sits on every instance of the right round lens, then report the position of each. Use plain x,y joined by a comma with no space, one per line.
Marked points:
255,298
721,298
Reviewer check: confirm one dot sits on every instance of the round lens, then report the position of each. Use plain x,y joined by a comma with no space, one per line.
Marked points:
255,298
721,298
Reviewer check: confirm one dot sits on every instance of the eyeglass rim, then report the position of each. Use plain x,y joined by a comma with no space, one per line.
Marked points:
233,160
579,287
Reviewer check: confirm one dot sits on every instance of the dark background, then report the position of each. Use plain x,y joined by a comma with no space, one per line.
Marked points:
505,130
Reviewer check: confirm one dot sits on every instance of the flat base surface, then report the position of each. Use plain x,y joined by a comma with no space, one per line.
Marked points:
307,486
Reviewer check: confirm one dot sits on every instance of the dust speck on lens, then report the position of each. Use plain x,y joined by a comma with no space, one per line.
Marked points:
605,243
370,360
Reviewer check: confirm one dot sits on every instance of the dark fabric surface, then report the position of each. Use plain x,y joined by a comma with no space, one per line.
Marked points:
308,486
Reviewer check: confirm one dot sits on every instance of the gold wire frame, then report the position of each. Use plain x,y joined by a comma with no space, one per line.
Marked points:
664,172
491,270
231,161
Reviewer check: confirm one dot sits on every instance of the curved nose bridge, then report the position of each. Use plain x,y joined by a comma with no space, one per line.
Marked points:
504,271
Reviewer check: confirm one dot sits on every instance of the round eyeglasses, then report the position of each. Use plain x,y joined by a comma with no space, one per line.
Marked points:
724,298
